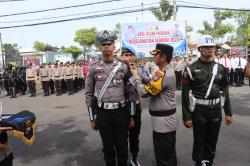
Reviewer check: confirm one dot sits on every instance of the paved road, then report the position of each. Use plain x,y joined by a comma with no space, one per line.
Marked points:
64,137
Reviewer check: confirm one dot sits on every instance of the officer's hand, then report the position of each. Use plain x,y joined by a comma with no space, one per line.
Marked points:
93,125
229,120
131,122
188,123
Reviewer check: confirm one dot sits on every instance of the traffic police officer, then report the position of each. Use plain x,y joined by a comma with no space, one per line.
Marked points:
111,116
162,107
204,94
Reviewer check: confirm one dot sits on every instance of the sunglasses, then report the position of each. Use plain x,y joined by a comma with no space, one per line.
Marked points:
106,44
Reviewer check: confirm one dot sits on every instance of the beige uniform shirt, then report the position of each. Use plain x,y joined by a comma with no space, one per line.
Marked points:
75,72
80,72
68,72
164,101
44,74
30,74
57,73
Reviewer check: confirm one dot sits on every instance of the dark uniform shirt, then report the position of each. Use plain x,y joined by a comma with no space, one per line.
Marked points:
202,73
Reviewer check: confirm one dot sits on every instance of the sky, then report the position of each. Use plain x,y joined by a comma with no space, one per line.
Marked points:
62,34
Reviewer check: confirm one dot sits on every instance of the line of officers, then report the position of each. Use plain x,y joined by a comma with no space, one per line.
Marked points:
56,78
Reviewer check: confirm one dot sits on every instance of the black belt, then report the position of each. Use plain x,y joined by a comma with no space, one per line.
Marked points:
44,76
163,113
56,76
31,77
69,75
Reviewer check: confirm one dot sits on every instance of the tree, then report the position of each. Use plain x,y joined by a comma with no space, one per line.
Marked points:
39,46
73,50
243,31
43,47
218,30
86,38
117,29
189,28
165,11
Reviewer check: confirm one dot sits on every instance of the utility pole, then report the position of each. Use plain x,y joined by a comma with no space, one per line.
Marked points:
142,11
174,15
2,52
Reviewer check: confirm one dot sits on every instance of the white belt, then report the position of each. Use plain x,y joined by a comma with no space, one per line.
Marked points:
207,102
110,106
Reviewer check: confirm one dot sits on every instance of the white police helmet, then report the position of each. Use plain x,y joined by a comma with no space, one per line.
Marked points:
206,40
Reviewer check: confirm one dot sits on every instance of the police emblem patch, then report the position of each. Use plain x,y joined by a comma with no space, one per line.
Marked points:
105,35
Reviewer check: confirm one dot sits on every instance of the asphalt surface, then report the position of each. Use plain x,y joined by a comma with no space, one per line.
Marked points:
64,136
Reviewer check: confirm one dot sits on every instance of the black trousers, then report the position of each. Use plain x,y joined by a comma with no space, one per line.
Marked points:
164,148
238,77
206,127
64,86
32,87
69,83
178,79
58,85
51,86
8,161
113,129
45,86
75,84
134,133
232,76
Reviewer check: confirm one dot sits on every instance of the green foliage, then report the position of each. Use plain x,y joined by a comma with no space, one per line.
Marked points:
42,47
219,29
117,28
165,11
243,31
208,29
86,37
73,50
39,46
189,28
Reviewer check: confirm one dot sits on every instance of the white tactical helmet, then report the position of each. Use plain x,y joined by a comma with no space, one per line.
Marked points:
206,40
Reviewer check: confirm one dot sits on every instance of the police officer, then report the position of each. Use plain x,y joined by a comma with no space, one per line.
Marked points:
44,77
51,82
75,76
162,107
68,77
111,116
64,86
57,75
204,95
30,78
134,132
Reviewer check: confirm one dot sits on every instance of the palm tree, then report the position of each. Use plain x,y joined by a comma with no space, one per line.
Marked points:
165,11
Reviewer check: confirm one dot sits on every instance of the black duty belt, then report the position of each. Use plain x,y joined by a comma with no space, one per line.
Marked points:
162,113
32,77
69,75
56,76
44,76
